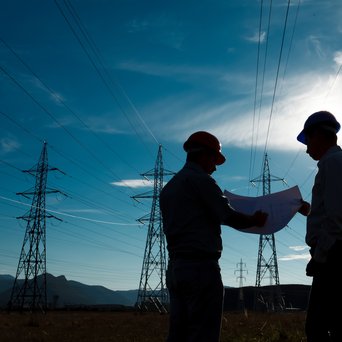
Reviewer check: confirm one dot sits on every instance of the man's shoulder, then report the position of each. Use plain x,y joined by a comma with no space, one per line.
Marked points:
190,173
332,160
334,154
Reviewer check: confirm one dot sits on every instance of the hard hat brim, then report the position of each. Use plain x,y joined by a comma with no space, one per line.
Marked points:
220,158
302,137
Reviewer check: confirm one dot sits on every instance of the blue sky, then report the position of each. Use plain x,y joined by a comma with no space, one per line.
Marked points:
105,82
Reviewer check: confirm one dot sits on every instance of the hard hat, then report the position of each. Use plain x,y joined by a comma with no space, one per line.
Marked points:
206,140
321,119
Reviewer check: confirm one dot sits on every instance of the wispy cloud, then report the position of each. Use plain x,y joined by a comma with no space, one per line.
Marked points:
63,121
239,188
134,183
88,211
292,257
164,29
314,43
8,144
299,96
299,248
305,255
137,26
255,38
54,96
338,58
174,71
102,123
236,178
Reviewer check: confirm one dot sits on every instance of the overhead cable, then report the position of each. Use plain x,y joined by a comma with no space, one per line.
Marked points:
277,75
93,63
61,101
64,156
74,216
251,165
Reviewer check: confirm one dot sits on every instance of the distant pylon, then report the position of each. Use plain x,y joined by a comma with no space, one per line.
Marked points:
153,294
267,255
241,270
29,292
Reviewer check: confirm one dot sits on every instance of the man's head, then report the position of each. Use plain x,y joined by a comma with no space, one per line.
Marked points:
204,149
319,133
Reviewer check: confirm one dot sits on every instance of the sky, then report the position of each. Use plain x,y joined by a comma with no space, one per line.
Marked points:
105,83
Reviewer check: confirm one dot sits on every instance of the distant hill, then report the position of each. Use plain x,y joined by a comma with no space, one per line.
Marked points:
6,282
62,292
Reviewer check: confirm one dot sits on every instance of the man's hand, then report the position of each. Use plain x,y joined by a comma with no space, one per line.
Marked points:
305,208
259,218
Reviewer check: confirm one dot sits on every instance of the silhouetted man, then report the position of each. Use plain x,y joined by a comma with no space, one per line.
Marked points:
193,209
324,229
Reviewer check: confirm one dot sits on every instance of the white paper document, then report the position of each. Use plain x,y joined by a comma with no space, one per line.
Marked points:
280,207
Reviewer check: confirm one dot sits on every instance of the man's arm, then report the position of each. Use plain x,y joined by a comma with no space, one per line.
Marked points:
220,207
239,220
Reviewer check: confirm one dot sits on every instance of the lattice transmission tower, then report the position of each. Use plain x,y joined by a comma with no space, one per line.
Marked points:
241,269
29,288
152,293
267,254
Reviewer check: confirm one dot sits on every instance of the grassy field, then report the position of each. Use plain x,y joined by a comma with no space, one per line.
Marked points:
85,326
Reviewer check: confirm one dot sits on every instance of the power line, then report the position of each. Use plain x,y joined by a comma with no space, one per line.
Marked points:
292,163
61,101
285,70
278,68
97,52
82,199
93,63
98,244
73,216
45,110
83,237
64,156
277,75
21,126
73,178
291,39
10,165
92,204
252,160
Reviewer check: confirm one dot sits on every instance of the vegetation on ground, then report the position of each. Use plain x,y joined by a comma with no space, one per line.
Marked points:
94,326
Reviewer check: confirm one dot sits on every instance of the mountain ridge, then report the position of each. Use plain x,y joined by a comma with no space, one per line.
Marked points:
62,292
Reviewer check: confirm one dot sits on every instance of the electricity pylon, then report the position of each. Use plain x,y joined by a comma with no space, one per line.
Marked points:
267,255
152,293
29,293
241,270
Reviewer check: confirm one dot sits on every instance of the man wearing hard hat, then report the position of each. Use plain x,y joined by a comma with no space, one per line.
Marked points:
324,229
193,208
